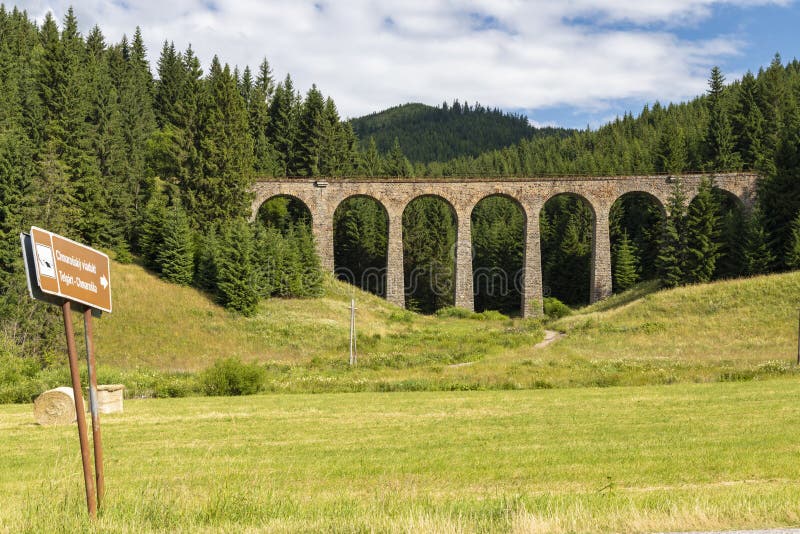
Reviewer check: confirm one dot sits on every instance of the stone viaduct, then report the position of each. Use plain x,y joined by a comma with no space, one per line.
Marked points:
323,195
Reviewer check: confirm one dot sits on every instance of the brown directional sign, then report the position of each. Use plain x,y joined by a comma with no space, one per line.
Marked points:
70,270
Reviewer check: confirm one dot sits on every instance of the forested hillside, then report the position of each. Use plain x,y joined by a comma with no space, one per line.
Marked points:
429,133
155,163
96,147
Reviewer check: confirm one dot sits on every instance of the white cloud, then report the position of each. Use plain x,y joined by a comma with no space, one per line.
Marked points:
368,55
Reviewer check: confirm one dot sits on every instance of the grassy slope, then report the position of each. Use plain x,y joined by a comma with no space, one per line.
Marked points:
166,327
683,457
733,330
730,330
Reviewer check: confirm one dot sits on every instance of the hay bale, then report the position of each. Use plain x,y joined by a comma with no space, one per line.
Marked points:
55,407
109,398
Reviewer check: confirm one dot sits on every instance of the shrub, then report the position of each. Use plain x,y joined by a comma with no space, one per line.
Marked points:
231,376
401,316
175,385
452,311
490,315
555,309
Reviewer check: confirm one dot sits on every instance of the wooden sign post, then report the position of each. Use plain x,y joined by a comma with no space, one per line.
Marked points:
62,272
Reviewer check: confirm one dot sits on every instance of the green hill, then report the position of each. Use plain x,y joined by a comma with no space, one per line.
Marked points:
429,133
160,335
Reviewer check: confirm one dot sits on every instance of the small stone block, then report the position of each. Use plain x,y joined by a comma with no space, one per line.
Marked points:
109,398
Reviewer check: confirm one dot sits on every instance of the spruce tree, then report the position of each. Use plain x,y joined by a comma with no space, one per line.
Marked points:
258,118
396,163
793,246
702,234
719,140
205,260
175,258
370,162
282,127
748,123
310,133
311,266
672,155
625,265
150,235
222,190
671,259
757,257
237,285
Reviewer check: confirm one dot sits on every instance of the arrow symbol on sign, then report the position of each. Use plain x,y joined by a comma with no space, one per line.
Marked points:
103,281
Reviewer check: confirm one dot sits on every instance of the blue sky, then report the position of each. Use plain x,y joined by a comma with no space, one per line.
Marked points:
759,31
567,63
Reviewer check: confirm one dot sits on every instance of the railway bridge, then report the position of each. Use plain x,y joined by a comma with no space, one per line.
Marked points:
323,195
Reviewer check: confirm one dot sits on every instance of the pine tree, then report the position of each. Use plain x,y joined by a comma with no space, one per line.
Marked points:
175,258
625,266
702,234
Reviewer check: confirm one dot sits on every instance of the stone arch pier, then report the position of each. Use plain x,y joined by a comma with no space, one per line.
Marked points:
323,195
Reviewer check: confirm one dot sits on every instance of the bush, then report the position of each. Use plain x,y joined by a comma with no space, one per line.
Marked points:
555,309
490,315
231,376
401,316
452,311
462,313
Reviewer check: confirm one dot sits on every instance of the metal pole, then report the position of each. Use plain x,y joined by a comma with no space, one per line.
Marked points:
352,330
97,440
80,411
355,336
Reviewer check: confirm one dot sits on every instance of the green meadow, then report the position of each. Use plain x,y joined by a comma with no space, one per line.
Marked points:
161,335
626,459
654,411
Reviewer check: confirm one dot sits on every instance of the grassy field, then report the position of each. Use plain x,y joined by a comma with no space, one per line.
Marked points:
161,335
725,331
639,459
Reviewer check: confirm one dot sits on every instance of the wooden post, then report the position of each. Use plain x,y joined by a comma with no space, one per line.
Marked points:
97,440
80,411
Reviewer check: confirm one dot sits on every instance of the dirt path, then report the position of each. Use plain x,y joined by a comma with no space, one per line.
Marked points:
550,336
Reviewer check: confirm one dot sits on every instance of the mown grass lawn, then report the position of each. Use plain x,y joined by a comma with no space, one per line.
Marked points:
706,456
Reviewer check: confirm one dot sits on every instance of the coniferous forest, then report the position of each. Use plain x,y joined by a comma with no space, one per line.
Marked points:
429,133
155,163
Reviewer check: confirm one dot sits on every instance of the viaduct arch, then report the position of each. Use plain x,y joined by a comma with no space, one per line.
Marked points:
323,195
